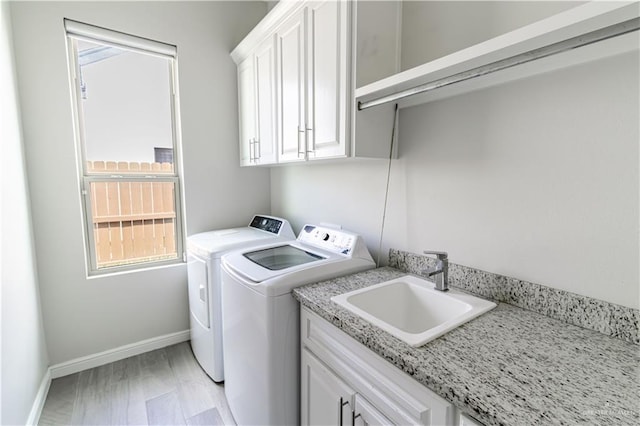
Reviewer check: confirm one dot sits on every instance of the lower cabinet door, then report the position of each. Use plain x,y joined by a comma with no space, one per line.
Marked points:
325,399
365,414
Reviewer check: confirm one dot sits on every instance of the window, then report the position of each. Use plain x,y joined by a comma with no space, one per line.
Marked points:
124,89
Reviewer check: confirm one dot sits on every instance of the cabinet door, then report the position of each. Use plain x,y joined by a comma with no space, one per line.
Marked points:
290,39
365,414
327,60
247,110
325,399
265,147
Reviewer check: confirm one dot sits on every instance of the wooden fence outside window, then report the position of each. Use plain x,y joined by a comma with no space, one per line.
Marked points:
133,221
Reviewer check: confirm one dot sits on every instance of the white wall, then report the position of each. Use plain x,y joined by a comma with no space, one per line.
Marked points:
537,180
346,193
86,316
24,354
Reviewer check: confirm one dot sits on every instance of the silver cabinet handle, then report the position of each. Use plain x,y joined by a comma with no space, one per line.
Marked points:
257,146
253,148
310,138
300,133
253,142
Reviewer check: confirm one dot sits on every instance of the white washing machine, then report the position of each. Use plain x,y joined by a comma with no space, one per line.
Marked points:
204,276
261,318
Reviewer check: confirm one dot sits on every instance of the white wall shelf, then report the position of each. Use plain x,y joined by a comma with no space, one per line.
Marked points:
574,22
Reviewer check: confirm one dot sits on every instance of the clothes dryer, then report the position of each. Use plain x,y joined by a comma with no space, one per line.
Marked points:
204,274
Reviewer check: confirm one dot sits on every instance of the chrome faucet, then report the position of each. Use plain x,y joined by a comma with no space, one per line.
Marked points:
441,270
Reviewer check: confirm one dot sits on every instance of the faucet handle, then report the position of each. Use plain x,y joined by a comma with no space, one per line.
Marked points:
441,255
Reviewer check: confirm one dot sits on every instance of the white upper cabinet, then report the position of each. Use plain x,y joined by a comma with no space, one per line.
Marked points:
265,145
313,94
290,41
313,100
247,110
327,77
256,98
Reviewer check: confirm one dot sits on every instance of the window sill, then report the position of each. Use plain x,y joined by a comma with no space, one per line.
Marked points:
133,269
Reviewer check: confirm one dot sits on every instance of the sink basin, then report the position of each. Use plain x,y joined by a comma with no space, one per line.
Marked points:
411,309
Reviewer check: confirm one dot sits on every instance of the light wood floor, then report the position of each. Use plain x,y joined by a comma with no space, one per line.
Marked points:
162,387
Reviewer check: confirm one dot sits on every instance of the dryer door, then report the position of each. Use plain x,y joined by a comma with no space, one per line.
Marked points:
197,273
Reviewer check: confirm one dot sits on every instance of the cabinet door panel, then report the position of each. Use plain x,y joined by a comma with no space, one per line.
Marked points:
291,89
325,399
365,414
327,64
265,151
247,109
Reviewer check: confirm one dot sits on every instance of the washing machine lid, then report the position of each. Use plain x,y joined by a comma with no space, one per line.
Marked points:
282,257
263,263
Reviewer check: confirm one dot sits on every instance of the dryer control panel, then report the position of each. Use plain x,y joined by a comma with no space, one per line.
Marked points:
333,240
269,224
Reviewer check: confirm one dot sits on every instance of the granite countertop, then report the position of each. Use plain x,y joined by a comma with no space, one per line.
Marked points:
509,366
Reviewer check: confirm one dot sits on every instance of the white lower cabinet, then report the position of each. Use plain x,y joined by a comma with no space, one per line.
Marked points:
365,414
344,383
327,400
466,421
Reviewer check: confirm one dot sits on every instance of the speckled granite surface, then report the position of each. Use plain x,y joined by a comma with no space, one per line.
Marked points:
510,366
614,320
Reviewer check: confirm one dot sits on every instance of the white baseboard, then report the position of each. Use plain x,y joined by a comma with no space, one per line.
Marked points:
41,397
102,358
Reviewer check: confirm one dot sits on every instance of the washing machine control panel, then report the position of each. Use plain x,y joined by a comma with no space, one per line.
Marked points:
334,240
268,224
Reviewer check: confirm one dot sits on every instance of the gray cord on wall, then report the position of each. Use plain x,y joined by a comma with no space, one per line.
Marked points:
386,193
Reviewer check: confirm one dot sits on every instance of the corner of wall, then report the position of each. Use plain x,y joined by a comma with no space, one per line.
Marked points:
24,361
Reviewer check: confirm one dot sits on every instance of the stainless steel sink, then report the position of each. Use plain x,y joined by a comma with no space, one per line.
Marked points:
411,309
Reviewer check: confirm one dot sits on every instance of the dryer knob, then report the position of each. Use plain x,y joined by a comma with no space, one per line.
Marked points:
325,237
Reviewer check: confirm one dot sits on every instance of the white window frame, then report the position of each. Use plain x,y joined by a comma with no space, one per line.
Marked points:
80,31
